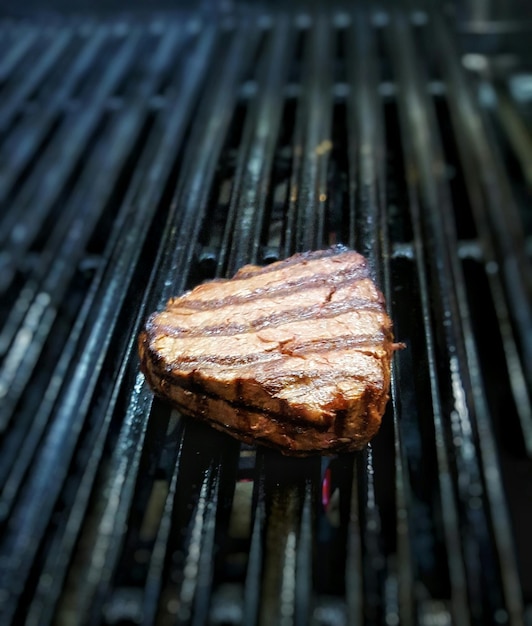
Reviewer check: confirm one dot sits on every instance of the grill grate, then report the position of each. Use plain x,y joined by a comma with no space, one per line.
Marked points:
142,157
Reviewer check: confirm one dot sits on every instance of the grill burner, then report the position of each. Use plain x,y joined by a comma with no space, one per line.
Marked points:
140,157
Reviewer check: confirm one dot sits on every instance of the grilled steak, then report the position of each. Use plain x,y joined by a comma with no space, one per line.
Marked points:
295,355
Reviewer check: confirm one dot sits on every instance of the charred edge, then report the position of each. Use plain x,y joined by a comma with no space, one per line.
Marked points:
159,381
339,422
292,433
348,276
143,349
163,377
316,311
302,257
370,419
339,447
343,444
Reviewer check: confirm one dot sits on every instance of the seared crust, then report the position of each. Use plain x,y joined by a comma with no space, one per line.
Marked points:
295,355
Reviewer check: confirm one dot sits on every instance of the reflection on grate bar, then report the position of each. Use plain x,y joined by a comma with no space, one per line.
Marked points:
270,133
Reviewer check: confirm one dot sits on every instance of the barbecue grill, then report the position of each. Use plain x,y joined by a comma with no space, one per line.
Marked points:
144,153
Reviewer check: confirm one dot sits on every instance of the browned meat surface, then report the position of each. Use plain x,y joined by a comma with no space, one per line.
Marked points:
295,355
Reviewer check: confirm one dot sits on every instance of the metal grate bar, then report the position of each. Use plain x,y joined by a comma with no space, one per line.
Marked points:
489,189
20,92
147,194
189,538
193,591
369,574
316,145
403,599
354,568
106,164
154,583
33,512
516,129
145,191
253,173
50,281
415,125
303,588
506,225
451,529
469,402
49,184
366,145
285,493
251,600
278,584
24,39
34,129
46,287
366,235
194,192
311,142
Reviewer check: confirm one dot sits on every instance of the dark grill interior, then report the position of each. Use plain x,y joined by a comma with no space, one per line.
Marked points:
142,155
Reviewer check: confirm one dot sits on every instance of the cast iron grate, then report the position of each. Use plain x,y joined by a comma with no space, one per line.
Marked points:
142,157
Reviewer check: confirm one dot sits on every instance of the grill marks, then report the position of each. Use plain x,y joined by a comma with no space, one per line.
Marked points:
297,259
344,342
270,300
304,340
275,320
345,276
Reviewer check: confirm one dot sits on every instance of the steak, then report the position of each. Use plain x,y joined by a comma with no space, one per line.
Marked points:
295,355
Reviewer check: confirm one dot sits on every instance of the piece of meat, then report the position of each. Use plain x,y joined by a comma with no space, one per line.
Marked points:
295,355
